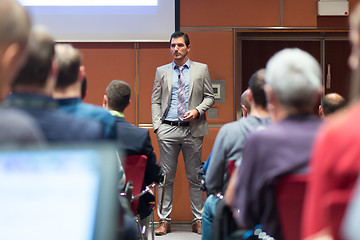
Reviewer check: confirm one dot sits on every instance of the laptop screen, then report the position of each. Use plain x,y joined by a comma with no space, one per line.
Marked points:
56,193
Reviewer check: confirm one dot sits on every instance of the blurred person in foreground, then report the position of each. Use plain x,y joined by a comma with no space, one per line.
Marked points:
293,87
228,148
68,90
33,87
335,161
15,24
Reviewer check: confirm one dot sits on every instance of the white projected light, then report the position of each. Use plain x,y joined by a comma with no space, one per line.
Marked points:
88,3
105,20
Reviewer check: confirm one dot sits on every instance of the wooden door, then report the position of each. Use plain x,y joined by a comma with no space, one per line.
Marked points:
256,53
337,72
331,50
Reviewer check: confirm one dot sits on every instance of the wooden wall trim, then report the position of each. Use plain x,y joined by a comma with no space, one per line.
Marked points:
136,83
266,29
235,96
282,13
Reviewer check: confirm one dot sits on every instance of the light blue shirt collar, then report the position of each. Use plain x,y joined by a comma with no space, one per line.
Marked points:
187,64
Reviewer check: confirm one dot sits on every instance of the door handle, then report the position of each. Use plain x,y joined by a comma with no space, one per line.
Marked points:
328,77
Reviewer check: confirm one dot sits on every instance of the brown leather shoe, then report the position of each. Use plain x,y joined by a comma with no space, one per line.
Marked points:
163,228
196,227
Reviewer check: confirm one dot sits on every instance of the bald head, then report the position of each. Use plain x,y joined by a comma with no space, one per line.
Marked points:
294,78
331,103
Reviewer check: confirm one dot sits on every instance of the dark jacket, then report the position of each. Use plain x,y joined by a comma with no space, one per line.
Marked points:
57,126
136,141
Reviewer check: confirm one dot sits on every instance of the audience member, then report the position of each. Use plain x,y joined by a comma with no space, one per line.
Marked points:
228,148
179,121
134,141
331,103
335,164
293,86
15,24
245,104
67,92
32,90
15,27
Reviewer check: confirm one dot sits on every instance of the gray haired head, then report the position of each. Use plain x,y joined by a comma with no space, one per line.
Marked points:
295,78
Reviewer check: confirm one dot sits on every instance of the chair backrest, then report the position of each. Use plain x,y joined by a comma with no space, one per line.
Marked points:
231,167
134,168
290,192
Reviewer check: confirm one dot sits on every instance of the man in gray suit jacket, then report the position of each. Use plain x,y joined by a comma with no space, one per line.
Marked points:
181,96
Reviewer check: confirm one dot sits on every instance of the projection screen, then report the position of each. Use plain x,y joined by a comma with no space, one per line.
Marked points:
105,20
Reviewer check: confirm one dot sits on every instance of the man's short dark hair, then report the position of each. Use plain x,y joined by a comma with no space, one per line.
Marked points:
69,60
118,94
330,103
181,34
256,85
36,69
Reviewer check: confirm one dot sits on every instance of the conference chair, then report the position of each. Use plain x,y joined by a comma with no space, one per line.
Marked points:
134,167
231,167
290,192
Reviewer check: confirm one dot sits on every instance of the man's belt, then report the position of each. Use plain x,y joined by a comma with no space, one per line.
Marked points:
177,123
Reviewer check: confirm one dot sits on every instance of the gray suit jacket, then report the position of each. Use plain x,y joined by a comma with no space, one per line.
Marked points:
201,96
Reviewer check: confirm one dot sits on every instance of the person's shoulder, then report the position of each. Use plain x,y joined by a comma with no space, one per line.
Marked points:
267,133
16,118
230,126
164,67
231,131
198,64
13,115
123,123
73,120
19,127
128,131
243,122
78,125
96,110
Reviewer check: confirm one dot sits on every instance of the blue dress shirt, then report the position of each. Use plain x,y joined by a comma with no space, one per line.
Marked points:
172,114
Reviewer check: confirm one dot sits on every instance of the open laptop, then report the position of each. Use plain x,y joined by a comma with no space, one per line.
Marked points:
58,192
